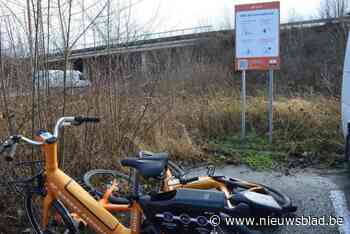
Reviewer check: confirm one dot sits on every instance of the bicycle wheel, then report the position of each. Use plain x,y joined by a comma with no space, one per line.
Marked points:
282,199
98,180
175,169
237,186
60,221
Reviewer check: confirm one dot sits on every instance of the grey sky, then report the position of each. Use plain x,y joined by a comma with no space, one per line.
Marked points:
156,15
191,13
173,14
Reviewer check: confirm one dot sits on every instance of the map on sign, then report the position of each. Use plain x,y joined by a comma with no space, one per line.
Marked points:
258,33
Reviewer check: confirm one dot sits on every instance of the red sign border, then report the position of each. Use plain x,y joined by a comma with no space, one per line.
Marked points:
259,63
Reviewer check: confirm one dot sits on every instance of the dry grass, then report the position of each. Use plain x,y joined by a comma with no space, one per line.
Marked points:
178,116
304,127
183,125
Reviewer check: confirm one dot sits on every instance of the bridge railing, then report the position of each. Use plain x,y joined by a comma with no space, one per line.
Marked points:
141,37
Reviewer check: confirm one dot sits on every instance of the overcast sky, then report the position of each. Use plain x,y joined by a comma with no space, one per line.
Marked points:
192,13
160,15
172,14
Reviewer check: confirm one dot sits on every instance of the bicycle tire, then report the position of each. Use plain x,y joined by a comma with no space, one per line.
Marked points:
282,199
33,217
175,169
88,176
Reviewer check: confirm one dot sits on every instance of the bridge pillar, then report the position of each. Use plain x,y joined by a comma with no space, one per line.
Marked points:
144,62
85,69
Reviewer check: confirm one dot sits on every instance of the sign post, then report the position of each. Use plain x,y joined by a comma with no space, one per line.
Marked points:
243,105
270,105
257,47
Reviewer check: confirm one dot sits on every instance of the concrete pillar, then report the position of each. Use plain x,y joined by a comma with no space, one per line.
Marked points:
144,62
86,69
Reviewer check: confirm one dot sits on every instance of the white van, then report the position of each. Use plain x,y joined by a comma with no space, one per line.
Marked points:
345,102
55,79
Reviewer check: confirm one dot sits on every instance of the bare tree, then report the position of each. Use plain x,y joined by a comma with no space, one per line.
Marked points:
334,8
49,24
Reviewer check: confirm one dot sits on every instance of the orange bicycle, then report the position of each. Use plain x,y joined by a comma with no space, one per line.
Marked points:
66,207
108,186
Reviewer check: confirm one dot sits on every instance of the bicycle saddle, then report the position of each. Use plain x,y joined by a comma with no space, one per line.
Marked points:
147,167
155,156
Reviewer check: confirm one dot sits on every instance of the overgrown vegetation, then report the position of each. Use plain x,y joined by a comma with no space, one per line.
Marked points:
181,100
305,129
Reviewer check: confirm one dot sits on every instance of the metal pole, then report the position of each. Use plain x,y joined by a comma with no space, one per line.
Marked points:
243,105
270,105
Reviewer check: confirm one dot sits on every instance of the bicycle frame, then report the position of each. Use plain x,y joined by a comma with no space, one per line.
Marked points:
203,182
61,187
169,183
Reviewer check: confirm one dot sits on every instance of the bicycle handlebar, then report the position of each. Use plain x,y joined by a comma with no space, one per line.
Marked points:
66,121
81,119
10,145
63,121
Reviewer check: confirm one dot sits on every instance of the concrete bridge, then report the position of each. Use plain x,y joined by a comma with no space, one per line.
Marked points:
183,38
141,48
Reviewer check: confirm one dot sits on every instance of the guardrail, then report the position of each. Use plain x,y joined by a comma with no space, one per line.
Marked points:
316,22
142,37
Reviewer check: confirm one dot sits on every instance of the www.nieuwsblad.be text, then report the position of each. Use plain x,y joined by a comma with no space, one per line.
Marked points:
274,221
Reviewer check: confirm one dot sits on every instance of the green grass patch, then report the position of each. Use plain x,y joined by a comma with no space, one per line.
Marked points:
259,154
255,151
254,142
259,161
